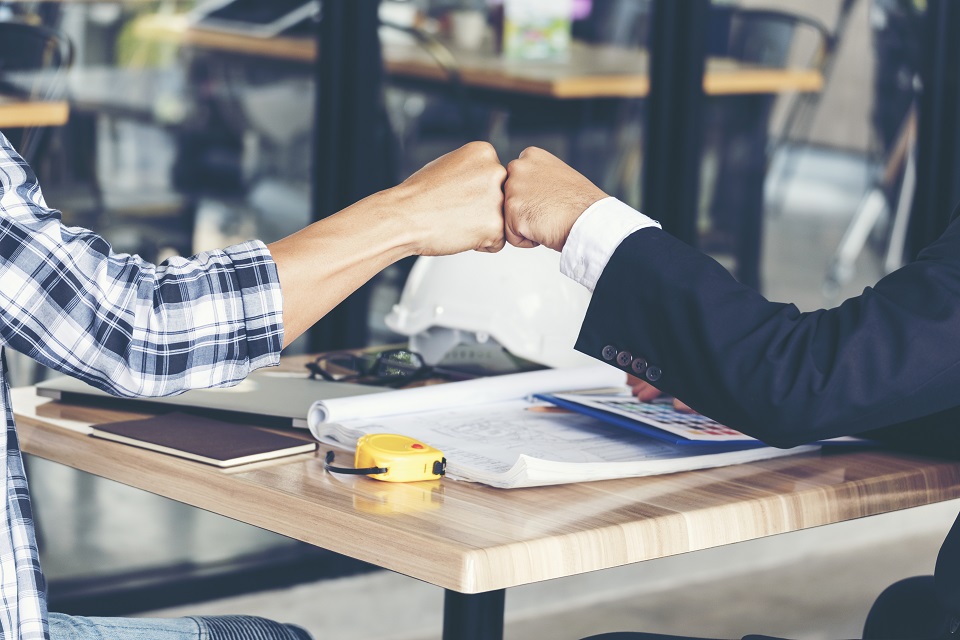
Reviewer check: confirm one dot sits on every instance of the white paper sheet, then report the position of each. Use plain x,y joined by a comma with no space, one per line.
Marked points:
516,444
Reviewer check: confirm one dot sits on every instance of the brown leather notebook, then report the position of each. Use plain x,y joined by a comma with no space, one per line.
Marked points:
223,444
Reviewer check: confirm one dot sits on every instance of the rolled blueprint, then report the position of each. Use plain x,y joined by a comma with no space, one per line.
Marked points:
468,392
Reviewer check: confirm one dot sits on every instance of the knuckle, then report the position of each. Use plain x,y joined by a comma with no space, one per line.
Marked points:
481,148
531,152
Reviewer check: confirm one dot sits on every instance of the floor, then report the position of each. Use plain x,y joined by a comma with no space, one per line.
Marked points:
815,584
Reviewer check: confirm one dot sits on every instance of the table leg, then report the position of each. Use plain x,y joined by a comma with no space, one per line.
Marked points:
473,616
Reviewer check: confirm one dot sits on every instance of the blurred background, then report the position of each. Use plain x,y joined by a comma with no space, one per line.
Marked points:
193,125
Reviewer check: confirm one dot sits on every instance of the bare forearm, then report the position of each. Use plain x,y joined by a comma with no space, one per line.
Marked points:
322,264
453,204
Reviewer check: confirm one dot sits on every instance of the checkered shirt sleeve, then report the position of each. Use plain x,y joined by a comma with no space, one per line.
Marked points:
121,324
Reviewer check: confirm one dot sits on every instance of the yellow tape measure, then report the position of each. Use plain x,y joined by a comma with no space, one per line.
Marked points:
393,458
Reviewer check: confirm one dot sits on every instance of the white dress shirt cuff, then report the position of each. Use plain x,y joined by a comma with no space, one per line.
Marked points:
596,235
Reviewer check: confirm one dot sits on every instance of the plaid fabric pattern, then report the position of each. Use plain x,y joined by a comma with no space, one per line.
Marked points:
119,323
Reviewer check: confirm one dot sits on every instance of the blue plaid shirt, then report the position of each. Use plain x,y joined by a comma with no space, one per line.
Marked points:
119,323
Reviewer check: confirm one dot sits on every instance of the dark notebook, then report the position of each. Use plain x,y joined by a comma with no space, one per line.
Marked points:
223,444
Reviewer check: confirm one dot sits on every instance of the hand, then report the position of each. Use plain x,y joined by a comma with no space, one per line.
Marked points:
646,392
455,203
543,197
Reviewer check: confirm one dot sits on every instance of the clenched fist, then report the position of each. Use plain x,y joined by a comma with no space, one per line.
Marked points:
455,203
543,197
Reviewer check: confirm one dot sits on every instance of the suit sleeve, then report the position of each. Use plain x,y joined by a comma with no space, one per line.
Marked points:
665,311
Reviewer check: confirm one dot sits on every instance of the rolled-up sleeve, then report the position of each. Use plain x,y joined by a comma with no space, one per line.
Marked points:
118,322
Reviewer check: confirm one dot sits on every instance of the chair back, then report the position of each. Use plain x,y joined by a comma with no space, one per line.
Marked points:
765,37
33,60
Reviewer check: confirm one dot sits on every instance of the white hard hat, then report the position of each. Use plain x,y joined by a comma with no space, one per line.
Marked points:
517,297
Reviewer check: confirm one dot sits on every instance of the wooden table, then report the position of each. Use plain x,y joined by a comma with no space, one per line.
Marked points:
15,114
475,541
591,72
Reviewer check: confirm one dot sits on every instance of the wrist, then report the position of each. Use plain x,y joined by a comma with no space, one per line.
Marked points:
581,203
391,214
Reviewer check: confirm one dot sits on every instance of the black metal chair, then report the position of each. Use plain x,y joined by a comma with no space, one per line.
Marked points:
33,60
798,119
918,608
737,125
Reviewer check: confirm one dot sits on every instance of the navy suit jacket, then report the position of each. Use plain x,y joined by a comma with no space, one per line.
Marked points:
887,360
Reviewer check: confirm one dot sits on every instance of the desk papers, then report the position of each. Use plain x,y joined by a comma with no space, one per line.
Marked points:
509,442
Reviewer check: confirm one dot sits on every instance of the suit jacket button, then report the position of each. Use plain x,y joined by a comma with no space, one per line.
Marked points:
654,373
638,366
624,358
609,352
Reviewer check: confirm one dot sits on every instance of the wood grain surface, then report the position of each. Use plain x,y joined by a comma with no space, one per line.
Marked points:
590,72
473,538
